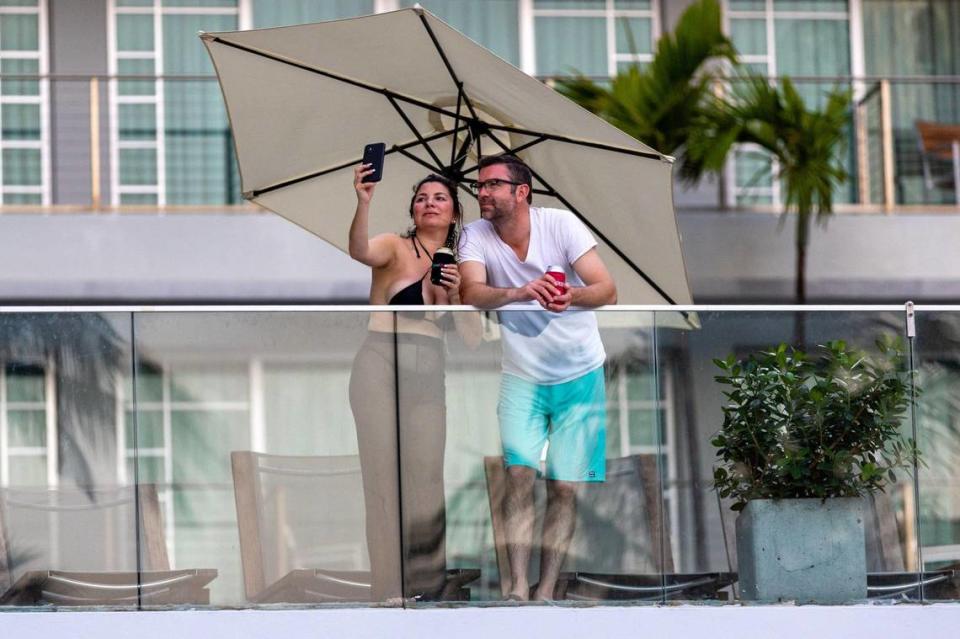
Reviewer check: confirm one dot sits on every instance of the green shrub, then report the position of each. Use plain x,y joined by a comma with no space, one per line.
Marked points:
795,426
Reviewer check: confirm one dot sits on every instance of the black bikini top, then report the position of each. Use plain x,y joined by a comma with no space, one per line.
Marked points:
412,295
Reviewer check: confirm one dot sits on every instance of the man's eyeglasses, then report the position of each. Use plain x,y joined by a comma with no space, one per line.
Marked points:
490,185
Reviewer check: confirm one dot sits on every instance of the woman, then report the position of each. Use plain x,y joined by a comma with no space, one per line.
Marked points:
399,371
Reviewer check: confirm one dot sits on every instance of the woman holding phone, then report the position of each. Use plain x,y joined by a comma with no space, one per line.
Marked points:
398,373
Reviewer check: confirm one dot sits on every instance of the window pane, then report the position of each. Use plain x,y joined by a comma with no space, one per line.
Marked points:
149,428
749,36
810,5
641,387
138,198
149,384
22,198
631,4
200,3
634,35
21,167
202,441
18,3
20,121
151,470
296,399
643,427
19,66
224,383
135,32
571,45
19,32
28,471
138,166
137,121
136,67
134,3
270,13
24,383
492,23
747,5
753,169
795,39
199,150
623,65
28,428
570,4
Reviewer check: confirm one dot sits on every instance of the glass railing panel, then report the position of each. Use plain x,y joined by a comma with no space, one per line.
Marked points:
925,121
935,517
519,453
707,537
68,533
244,425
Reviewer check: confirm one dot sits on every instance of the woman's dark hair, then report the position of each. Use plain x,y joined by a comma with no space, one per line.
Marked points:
451,186
518,169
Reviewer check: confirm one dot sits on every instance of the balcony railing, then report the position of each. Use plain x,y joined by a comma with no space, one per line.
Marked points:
245,456
147,143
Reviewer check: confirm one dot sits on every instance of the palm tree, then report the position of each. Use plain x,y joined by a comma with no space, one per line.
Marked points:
661,104
806,144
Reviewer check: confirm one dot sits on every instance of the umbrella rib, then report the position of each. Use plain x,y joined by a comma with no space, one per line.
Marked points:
446,63
514,151
410,125
562,138
456,126
411,156
593,228
316,174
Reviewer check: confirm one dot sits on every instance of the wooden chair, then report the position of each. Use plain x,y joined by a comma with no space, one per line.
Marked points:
940,144
621,546
80,547
302,530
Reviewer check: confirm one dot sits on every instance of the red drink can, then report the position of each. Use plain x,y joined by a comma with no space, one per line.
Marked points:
557,273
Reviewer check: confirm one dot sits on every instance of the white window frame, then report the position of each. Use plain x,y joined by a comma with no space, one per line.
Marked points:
42,99
854,17
167,406
662,405
528,13
48,405
243,12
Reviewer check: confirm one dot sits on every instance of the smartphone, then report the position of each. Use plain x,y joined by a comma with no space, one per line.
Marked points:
373,154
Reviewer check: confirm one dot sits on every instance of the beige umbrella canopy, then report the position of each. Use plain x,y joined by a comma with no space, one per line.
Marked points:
304,100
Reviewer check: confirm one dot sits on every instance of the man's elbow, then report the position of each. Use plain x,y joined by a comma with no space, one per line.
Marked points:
611,294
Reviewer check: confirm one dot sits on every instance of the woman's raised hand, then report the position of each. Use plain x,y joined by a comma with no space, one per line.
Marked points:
364,189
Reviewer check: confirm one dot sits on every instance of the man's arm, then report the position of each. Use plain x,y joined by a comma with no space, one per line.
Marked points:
475,291
598,289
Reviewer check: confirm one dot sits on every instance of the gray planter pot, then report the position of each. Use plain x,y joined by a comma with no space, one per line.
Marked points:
803,550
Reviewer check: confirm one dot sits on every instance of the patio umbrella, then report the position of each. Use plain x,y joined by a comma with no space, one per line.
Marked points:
303,100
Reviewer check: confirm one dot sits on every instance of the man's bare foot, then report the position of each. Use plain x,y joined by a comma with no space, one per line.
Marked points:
517,596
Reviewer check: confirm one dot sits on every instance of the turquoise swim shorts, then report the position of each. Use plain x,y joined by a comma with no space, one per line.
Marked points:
571,416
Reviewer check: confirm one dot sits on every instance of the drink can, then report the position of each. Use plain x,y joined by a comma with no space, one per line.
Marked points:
557,273
443,255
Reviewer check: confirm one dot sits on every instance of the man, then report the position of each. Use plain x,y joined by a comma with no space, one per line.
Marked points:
552,388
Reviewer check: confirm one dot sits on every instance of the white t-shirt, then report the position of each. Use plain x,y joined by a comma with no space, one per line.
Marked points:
539,346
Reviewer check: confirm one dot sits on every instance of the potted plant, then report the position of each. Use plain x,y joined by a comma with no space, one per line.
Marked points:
803,440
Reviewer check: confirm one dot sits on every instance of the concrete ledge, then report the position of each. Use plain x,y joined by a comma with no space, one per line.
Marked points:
662,622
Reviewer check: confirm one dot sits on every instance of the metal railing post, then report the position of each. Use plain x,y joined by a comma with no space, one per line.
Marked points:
955,147
863,157
96,199
886,133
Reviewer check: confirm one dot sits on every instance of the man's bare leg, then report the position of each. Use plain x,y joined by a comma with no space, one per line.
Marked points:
518,516
558,524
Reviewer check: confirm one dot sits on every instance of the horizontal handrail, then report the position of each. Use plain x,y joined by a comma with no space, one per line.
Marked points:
381,308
